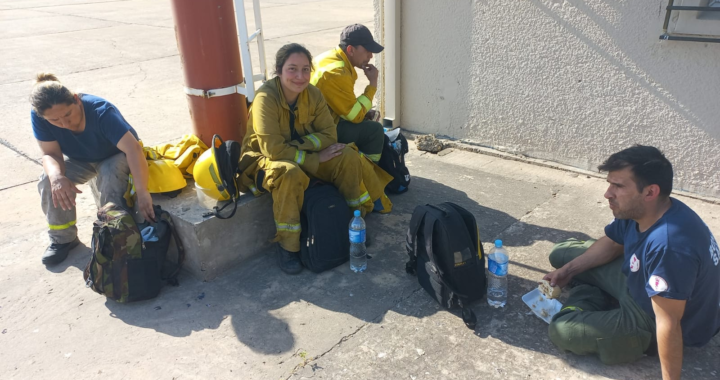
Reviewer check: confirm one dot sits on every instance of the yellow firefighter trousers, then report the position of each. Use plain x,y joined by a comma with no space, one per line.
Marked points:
355,176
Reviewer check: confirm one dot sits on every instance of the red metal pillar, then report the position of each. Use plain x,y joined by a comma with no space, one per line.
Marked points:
206,35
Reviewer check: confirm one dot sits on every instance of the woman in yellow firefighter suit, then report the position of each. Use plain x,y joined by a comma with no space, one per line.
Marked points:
291,138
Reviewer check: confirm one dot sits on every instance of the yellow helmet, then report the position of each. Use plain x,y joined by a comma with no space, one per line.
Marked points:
213,172
164,176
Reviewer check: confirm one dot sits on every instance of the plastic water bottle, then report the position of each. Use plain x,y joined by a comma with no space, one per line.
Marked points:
358,257
497,275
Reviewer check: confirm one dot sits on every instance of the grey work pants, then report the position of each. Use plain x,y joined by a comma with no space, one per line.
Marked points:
108,181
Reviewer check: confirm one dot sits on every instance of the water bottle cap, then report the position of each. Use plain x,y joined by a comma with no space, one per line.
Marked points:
498,243
357,213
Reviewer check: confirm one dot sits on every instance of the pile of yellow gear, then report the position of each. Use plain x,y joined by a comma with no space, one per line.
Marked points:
170,164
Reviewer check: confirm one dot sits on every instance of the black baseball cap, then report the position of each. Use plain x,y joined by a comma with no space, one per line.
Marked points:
358,34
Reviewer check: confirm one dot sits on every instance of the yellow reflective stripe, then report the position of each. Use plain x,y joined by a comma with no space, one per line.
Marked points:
314,140
300,157
132,184
365,101
61,226
374,157
357,202
254,190
573,308
353,112
322,70
287,227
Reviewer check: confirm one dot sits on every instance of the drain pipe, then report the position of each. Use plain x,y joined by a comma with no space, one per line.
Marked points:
391,59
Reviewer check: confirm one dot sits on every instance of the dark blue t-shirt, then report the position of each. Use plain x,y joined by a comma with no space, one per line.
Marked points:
676,258
104,127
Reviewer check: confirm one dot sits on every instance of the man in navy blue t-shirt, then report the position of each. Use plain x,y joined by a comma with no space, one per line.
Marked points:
82,137
658,261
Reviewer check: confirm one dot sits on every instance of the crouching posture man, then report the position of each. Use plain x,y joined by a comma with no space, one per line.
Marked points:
658,260
82,137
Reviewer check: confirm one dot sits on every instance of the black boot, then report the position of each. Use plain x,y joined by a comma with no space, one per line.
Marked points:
56,253
288,261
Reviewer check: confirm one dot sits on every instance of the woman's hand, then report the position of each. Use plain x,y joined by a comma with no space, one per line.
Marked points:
145,205
331,152
63,192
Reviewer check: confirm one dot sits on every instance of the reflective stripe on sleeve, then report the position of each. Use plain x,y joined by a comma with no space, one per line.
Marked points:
300,157
365,101
314,140
353,112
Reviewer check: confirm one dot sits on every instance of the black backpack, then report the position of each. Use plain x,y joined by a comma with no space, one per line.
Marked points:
394,163
324,240
447,256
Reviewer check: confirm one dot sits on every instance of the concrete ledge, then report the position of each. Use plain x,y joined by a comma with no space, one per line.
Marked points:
471,146
212,245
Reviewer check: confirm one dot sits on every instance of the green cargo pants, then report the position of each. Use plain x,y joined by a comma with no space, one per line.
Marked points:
588,323
368,135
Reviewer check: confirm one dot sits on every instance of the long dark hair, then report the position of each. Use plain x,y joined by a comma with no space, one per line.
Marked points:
47,92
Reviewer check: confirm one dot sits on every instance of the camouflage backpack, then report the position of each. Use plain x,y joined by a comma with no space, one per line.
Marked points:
125,268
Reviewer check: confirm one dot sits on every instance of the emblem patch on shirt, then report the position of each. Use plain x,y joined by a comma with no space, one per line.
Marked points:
658,283
634,263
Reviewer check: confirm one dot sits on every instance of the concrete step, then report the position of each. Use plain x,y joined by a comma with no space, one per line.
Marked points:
213,245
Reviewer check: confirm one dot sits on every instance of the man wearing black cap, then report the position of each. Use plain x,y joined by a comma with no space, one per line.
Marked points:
335,76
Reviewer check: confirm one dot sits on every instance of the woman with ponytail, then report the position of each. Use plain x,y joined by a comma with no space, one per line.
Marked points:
82,137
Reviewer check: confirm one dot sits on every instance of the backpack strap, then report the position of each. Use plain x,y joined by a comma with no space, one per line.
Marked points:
410,240
216,211
172,277
228,160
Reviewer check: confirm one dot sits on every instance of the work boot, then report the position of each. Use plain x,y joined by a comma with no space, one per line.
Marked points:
56,253
288,261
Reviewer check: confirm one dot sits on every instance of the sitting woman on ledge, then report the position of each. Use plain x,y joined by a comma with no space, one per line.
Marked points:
292,138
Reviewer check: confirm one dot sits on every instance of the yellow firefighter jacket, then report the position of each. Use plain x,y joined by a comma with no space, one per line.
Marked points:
335,77
269,134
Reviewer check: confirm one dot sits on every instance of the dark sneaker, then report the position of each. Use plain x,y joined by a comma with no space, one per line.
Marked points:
288,261
56,253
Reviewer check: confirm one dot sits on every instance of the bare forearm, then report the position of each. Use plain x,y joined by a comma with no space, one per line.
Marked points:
601,252
53,165
670,348
138,169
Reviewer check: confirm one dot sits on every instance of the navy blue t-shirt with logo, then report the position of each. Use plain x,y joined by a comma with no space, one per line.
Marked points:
104,127
676,258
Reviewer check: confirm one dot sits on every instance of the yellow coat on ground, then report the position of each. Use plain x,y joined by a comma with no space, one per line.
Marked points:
335,76
184,153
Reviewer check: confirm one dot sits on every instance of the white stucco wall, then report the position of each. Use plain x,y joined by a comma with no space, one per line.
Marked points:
565,80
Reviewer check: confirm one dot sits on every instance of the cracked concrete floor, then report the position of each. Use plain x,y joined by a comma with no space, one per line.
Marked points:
255,322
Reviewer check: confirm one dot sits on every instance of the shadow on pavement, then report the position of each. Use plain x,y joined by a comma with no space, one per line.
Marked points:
260,300
78,258
272,313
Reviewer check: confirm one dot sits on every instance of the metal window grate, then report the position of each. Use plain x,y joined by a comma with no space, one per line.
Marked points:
713,6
